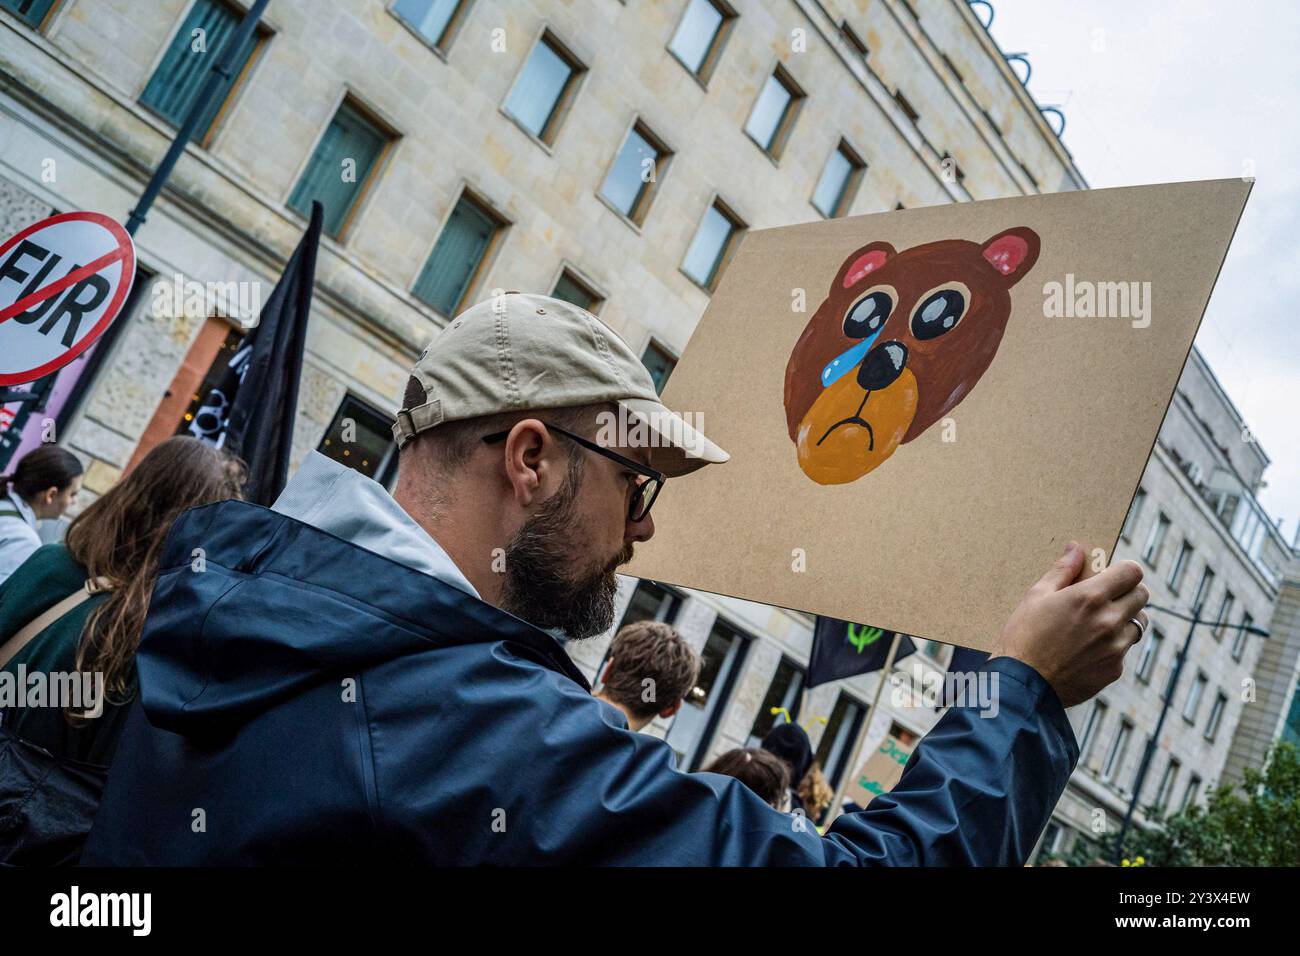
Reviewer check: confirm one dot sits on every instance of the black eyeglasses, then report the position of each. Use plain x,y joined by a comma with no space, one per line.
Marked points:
646,491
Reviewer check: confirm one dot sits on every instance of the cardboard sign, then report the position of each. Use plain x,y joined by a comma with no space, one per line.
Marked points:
879,773
922,407
62,281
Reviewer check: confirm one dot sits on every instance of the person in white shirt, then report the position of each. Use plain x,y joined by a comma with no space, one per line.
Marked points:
44,485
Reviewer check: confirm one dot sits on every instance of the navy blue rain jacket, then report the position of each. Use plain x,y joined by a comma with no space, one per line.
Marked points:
304,700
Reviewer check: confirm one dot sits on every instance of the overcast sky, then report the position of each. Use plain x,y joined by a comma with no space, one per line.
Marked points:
1191,89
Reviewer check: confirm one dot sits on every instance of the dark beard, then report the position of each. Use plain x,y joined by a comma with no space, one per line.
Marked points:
536,588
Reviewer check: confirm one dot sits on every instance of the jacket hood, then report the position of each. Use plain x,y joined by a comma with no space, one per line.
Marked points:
251,607
347,504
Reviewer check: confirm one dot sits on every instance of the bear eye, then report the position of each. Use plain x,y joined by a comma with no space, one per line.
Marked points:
868,314
938,314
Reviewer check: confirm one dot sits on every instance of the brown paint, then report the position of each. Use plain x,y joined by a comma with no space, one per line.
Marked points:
938,372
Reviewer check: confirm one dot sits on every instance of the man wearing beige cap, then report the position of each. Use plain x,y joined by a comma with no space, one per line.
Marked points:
357,677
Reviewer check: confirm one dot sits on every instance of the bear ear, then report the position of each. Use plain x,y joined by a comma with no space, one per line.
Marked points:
862,263
1012,253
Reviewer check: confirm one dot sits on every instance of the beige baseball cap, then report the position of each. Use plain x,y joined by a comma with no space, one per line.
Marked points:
519,351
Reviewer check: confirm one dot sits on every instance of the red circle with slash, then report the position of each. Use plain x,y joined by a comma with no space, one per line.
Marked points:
123,252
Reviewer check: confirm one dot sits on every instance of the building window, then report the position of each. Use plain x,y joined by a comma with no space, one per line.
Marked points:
341,168
459,257
834,751
198,393
1118,746
1150,653
774,112
838,182
31,12
783,694
361,437
1191,793
544,89
1091,728
633,179
1134,512
1203,587
187,64
435,20
1194,696
659,363
572,289
1167,783
1216,715
853,40
1239,641
698,42
652,602
1225,611
720,663
1179,569
715,241
1156,540
908,109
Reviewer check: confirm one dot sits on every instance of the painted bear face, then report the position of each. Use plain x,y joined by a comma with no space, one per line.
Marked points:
899,341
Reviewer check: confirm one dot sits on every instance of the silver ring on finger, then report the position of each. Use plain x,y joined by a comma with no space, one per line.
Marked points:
1142,628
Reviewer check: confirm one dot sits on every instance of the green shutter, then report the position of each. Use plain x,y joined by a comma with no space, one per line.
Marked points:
350,136
178,80
455,257
570,291
32,12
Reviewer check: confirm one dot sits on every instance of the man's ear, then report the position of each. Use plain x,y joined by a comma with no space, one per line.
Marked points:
670,711
1012,253
861,263
525,461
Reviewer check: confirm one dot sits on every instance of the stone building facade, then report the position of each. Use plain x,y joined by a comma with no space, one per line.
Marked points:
1205,545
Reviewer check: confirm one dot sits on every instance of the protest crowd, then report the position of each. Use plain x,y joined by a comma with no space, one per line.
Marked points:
384,676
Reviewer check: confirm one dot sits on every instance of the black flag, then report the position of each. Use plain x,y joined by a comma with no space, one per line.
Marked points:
964,660
841,649
251,410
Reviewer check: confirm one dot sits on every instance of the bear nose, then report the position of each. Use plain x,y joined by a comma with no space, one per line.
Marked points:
882,365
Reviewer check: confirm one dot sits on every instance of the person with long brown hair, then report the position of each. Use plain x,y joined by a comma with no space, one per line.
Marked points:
70,621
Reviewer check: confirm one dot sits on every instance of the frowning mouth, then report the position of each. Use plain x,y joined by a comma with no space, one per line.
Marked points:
854,419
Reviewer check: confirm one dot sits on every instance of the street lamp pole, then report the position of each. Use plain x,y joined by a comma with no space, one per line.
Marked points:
1170,692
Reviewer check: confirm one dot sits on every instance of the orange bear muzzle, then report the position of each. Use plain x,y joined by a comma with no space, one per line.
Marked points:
848,432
